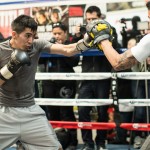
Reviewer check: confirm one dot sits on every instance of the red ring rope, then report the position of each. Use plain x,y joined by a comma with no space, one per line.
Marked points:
83,125
136,126
100,126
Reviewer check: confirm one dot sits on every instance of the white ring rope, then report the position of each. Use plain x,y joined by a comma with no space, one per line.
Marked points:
135,102
90,102
72,76
134,75
73,102
91,76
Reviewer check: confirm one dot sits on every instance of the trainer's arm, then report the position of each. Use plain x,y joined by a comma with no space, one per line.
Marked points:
118,61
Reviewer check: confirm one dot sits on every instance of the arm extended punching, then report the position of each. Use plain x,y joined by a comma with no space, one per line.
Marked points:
72,49
18,59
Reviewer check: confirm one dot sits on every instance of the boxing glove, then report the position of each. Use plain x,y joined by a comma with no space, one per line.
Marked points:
85,43
99,30
18,59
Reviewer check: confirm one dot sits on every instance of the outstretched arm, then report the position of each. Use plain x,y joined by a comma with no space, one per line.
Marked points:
67,50
72,49
118,61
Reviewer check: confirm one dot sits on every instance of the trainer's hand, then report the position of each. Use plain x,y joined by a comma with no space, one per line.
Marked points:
85,43
18,59
99,30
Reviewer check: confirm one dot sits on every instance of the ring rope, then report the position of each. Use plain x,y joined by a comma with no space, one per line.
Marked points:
73,102
72,76
135,102
90,102
100,126
83,125
91,76
136,126
134,75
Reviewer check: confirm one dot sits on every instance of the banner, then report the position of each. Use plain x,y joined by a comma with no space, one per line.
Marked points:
72,15
46,16
7,16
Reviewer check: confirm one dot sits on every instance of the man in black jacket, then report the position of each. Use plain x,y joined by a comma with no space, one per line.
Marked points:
93,88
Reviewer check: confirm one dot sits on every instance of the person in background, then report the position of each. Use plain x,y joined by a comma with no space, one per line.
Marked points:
126,33
140,90
55,15
41,18
93,88
61,88
126,112
134,32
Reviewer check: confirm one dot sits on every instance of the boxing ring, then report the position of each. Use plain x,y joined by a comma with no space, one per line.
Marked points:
95,102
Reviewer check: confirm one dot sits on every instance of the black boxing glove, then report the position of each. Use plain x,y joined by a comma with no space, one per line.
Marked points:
18,59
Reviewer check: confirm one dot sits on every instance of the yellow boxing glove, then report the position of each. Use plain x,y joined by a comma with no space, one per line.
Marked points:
99,30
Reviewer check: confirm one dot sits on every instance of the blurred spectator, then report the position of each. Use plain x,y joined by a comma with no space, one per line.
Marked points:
132,33
55,15
61,88
124,91
125,88
93,88
41,17
140,88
